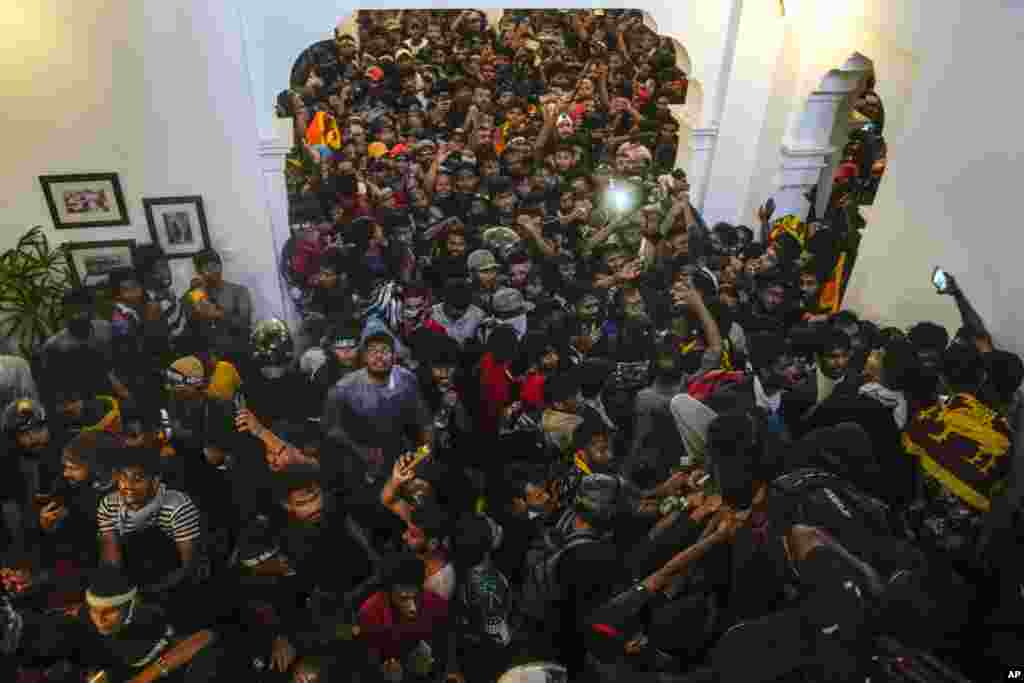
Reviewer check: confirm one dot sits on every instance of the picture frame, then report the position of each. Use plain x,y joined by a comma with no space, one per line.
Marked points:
84,200
177,225
91,262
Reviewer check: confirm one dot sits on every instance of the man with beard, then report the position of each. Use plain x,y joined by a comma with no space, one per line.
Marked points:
84,336
811,282
628,341
224,318
483,269
772,308
586,326
831,376
155,270
31,465
404,626
312,535
376,414
777,370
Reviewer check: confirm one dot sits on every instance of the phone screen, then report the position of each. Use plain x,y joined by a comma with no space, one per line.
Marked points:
939,279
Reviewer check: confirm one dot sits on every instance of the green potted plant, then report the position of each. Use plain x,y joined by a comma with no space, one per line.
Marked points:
33,277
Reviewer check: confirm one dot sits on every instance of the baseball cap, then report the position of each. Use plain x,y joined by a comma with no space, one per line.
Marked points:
481,259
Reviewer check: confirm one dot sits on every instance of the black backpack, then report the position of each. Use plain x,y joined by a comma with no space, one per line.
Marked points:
541,589
818,498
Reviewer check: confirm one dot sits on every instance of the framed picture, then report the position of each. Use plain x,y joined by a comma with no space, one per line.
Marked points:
91,262
177,224
84,200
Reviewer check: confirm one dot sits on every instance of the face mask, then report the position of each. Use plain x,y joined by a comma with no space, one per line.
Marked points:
273,371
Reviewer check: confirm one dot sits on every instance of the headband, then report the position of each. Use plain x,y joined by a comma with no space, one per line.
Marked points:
111,601
177,379
345,343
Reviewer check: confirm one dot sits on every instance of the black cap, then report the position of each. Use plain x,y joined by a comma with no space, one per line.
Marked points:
562,386
118,276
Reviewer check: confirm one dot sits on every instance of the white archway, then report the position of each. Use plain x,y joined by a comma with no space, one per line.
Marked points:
808,150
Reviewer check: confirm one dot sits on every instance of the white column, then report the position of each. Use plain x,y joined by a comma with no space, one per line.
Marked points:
702,151
272,152
800,170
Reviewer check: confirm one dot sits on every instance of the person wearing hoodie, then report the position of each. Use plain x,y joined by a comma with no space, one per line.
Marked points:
457,313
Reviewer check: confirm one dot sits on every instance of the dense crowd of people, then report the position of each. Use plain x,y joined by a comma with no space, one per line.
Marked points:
549,425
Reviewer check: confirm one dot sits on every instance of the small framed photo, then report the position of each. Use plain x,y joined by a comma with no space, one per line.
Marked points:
177,224
91,262
84,200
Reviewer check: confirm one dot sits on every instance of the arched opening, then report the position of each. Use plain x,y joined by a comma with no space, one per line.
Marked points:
855,169
365,101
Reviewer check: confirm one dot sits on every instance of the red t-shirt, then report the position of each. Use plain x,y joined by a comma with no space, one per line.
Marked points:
388,639
495,392
531,390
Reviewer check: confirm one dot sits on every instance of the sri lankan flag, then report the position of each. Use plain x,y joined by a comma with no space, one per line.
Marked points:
830,298
323,130
111,416
964,445
792,225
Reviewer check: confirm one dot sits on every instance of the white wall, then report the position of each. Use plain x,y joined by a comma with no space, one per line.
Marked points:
951,192
153,90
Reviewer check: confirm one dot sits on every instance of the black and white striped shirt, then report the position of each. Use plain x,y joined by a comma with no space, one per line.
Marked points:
177,516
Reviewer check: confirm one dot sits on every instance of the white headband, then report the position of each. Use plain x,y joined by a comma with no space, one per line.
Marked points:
111,601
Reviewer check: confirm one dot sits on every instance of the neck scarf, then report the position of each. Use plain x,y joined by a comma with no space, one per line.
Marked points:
144,517
770,403
893,400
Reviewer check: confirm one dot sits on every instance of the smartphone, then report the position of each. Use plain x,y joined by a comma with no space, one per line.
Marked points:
940,280
770,205
239,401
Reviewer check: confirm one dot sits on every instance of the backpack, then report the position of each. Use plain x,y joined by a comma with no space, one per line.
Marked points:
819,498
704,386
541,589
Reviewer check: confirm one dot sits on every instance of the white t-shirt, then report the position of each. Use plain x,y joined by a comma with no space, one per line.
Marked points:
443,582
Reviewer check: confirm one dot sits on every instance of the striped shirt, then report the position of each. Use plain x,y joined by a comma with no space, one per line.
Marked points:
177,516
